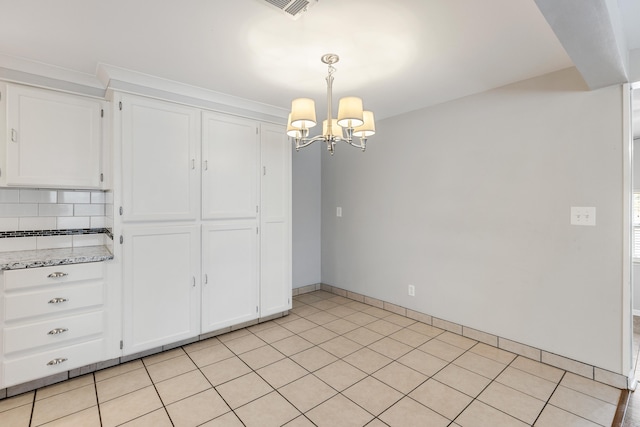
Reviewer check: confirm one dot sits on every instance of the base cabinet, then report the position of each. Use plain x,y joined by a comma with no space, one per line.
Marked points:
161,286
55,319
230,282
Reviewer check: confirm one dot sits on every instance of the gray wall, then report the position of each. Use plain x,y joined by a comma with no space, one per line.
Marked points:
306,215
470,202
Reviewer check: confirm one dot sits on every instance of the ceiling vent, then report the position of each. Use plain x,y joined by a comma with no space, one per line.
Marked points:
292,8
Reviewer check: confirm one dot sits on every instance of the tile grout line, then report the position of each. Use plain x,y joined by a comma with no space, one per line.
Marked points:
485,387
157,393
95,388
263,379
33,407
562,409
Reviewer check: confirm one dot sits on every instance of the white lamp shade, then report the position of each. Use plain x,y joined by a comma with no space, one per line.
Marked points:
293,132
336,130
350,111
368,128
303,113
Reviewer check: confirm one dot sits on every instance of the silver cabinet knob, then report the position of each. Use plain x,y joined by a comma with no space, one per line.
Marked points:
57,331
57,300
57,275
57,361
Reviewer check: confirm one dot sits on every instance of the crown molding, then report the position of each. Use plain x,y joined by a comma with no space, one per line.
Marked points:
112,78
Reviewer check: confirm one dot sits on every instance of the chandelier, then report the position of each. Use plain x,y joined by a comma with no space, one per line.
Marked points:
352,119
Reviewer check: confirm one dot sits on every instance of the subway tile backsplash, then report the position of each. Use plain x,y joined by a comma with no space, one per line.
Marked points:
36,210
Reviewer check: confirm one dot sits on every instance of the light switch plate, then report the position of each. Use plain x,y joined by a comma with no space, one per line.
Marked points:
338,211
581,215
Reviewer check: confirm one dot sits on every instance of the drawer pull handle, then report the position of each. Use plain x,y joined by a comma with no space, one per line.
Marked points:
57,331
57,361
57,300
57,275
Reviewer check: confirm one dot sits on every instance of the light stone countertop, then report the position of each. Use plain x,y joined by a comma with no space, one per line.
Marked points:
48,257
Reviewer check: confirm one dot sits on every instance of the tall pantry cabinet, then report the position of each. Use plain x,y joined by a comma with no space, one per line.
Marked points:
159,211
230,213
205,220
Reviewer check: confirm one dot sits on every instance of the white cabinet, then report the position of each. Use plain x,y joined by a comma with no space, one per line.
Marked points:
230,168
230,274
160,160
161,285
55,319
205,201
275,221
246,183
53,139
230,205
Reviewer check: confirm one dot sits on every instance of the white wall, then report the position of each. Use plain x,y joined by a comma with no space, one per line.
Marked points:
306,215
469,201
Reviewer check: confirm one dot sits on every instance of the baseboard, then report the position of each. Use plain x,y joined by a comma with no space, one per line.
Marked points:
540,355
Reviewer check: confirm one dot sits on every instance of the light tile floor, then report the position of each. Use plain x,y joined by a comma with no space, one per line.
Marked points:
331,362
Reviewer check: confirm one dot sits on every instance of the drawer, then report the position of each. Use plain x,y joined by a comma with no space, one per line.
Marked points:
39,365
52,301
42,276
52,332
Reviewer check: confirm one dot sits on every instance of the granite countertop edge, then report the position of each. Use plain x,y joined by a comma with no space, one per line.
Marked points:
49,257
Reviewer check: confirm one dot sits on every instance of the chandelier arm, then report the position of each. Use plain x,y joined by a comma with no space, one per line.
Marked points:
361,145
304,142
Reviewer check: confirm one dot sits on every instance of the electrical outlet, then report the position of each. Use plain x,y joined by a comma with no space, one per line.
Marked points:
339,211
583,215
412,291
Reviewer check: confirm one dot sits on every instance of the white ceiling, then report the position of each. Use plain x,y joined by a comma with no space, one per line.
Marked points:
398,55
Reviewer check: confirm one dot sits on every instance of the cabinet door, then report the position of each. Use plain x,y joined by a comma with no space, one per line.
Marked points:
160,164
230,274
230,176
54,139
160,289
275,221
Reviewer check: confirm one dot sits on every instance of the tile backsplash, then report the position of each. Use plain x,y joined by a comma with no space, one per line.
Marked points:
38,209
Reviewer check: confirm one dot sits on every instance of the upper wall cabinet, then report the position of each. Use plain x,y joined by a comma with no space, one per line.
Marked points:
53,139
230,167
160,160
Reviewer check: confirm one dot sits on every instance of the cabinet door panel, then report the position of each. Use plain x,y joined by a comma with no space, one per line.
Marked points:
231,155
53,140
159,160
275,221
230,266
161,292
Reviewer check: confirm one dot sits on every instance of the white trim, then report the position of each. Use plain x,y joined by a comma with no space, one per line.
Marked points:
28,66
124,80
111,78
627,231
